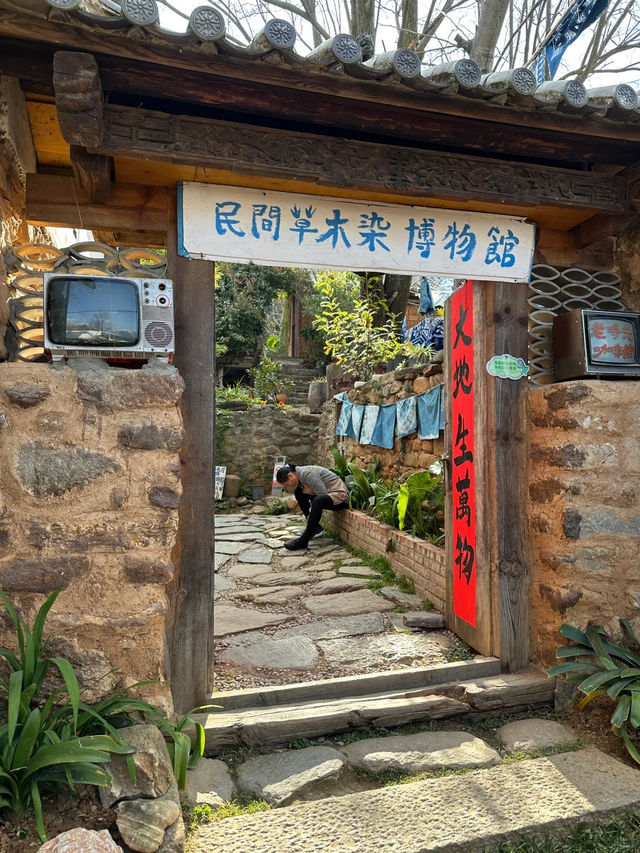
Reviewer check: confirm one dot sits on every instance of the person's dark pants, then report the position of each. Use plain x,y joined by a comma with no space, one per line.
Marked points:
312,507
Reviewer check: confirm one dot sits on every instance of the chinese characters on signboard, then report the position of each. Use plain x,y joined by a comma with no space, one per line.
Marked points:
612,342
462,455
241,224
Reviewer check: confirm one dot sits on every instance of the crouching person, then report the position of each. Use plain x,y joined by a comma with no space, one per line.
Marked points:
316,489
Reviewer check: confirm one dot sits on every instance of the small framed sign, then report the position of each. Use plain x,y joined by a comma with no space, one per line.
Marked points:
221,475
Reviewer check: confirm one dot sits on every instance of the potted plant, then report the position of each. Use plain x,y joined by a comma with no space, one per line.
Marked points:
268,380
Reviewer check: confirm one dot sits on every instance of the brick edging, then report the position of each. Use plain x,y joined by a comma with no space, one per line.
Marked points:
418,560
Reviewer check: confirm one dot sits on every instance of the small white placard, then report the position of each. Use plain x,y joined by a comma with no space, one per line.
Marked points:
221,475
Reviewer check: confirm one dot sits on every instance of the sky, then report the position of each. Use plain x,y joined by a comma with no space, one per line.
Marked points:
386,38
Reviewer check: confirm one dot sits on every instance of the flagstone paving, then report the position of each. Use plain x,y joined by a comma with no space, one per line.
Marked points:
283,617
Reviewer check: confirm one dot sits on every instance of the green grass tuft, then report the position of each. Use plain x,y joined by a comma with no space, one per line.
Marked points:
239,806
406,585
427,604
459,650
617,836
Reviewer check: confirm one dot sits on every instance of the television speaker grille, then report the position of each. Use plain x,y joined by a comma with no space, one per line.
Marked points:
158,334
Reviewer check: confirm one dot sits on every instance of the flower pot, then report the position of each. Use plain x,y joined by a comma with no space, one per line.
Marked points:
281,398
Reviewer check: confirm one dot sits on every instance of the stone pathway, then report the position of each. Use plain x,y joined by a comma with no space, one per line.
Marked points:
340,790
284,616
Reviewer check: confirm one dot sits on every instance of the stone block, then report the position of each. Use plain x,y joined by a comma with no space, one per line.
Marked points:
154,772
533,734
148,571
232,486
142,822
150,437
26,396
81,841
51,471
208,782
164,497
42,574
420,385
280,776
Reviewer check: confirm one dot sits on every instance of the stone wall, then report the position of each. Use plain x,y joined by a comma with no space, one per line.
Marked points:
409,454
89,490
253,438
584,508
413,558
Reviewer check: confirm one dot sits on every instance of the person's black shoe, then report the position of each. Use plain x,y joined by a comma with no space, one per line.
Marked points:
318,530
297,544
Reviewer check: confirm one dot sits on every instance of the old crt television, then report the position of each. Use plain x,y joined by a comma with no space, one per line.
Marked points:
107,316
596,343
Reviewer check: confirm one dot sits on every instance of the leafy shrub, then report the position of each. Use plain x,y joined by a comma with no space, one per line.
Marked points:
58,740
268,379
610,669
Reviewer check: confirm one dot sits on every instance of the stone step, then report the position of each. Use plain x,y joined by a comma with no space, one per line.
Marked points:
281,724
479,810
357,685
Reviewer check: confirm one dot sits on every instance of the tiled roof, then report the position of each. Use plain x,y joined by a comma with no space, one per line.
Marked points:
343,55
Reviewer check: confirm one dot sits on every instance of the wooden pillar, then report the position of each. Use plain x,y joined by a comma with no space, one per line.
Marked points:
498,623
190,634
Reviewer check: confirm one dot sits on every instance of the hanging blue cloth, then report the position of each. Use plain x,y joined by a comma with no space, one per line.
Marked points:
403,330
441,407
357,414
429,413
406,412
385,427
429,332
426,299
368,423
344,421
341,396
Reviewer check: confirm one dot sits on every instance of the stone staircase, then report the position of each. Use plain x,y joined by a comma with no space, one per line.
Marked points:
301,376
332,766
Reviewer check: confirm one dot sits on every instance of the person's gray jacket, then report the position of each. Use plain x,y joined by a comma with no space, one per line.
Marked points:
316,480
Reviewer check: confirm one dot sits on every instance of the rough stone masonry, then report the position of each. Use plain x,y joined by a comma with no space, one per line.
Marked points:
584,508
89,490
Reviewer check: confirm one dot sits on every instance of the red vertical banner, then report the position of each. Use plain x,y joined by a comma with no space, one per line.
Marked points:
462,455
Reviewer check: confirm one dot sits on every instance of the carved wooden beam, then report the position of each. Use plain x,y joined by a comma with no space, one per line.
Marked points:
92,172
332,162
76,81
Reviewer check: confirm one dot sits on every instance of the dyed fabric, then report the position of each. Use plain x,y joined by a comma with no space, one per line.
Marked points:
357,415
385,427
428,332
344,421
368,423
426,299
441,407
429,413
341,396
406,413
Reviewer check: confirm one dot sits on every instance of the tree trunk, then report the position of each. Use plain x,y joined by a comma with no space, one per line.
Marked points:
363,18
484,42
409,27
396,294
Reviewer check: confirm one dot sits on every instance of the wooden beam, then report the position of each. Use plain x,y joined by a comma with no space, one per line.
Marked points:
208,143
559,249
92,172
76,81
60,200
191,607
599,227
499,326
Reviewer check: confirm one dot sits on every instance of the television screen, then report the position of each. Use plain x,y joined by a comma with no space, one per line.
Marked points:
611,340
99,312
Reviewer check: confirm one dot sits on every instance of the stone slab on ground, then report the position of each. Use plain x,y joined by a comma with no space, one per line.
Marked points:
208,782
256,555
245,570
288,653
231,547
253,536
270,595
359,571
235,620
347,603
280,578
342,626
81,840
421,753
220,583
393,593
398,649
220,561
280,776
433,816
532,734
336,584
294,562
424,620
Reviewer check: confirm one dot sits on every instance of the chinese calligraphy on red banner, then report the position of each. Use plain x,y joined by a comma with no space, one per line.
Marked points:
462,455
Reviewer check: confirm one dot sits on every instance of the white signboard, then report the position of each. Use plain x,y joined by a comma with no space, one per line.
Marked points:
222,223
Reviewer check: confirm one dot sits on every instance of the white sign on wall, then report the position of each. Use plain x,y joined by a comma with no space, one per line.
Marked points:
221,223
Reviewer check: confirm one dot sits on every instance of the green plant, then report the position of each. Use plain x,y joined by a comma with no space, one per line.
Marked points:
458,650
277,507
239,806
610,669
223,424
360,485
59,740
427,604
268,379
406,585
421,505
341,464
